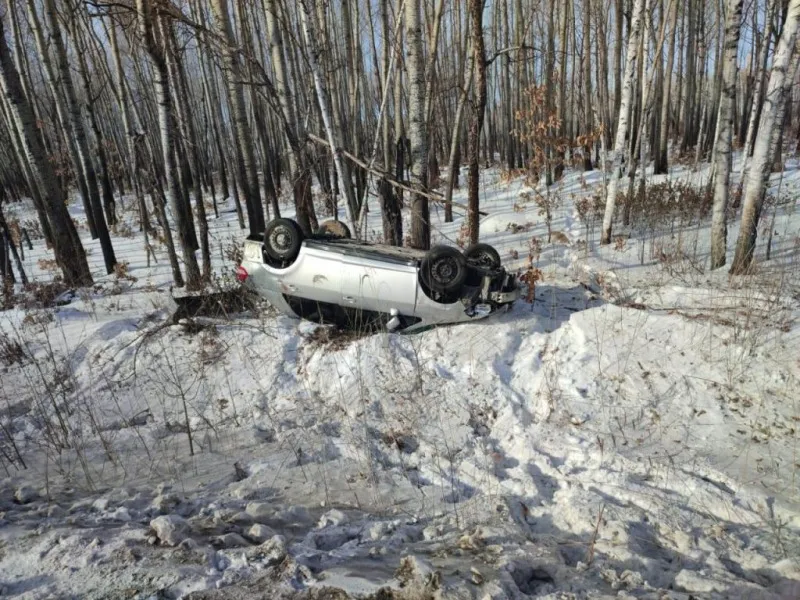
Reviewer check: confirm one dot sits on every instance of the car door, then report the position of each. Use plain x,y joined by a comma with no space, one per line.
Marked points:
379,283
315,275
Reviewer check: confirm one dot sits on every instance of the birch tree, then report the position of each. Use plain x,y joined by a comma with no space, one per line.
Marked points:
245,156
311,28
69,253
417,126
76,126
722,146
292,127
587,85
661,163
626,99
760,167
154,44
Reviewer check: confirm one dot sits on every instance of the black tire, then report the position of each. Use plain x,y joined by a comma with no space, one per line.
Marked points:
282,240
483,255
444,270
335,229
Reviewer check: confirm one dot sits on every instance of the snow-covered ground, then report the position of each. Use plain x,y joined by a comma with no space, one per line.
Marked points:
632,433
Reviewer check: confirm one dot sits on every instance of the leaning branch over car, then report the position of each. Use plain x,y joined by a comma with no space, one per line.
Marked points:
391,180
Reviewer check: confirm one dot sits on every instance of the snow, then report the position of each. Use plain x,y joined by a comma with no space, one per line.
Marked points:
632,433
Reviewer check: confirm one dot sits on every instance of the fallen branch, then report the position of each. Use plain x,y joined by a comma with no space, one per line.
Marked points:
590,553
393,182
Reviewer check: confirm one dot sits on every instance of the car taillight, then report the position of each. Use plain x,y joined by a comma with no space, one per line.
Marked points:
241,274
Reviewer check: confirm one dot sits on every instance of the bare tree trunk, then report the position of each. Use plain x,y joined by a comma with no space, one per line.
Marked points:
417,127
311,29
386,49
432,54
67,247
634,39
49,75
189,158
587,85
109,204
757,179
21,155
661,165
166,121
476,122
689,83
455,144
521,79
300,176
618,18
78,130
758,98
722,146
246,162
400,142
390,206
508,119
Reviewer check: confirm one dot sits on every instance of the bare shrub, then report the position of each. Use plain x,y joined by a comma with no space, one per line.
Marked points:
11,351
124,229
665,206
34,229
40,294
516,228
233,251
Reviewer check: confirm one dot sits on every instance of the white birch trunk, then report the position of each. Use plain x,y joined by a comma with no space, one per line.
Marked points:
758,176
417,126
722,144
310,30
622,123
166,126
761,61
244,141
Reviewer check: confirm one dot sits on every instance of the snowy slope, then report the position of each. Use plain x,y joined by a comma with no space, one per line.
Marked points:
631,433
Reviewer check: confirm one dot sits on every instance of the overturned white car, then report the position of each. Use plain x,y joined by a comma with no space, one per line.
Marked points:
334,279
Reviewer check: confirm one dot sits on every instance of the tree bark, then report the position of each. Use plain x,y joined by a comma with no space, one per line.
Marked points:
417,126
476,121
634,39
68,250
49,75
455,143
300,176
311,28
661,165
758,96
758,177
166,122
246,162
722,146
587,86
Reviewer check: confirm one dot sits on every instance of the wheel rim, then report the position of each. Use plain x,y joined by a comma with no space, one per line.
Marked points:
444,270
281,240
482,259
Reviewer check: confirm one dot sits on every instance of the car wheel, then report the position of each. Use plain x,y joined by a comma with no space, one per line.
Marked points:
444,269
483,255
335,228
282,239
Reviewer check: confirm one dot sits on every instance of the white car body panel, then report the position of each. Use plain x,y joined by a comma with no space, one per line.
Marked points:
354,275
